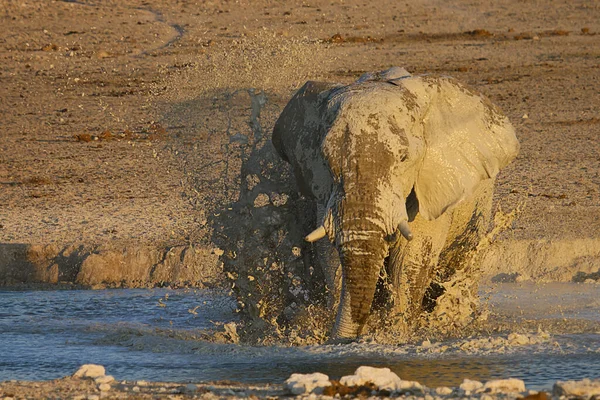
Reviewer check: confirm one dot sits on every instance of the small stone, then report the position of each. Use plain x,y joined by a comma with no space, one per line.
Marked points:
307,383
104,379
135,389
443,391
90,371
504,386
525,116
104,387
470,386
585,388
93,397
382,378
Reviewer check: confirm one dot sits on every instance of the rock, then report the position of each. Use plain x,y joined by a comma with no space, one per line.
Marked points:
382,378
443,391
510,385
307,383
104,379
585,388
104,387
89,371
470,386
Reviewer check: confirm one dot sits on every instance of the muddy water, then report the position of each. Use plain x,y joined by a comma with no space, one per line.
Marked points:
156,335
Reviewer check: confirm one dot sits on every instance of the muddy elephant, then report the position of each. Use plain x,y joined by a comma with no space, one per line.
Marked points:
401,169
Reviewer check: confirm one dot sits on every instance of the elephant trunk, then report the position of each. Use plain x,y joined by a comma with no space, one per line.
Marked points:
363,248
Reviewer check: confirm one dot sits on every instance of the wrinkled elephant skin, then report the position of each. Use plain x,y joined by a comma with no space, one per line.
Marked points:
391,160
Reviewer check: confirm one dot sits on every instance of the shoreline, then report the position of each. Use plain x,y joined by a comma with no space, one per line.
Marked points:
91,382
93,267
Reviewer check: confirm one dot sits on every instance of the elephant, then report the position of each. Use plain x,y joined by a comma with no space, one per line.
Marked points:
401,169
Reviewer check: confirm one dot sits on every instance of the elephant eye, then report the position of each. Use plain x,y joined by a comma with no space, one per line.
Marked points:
393,238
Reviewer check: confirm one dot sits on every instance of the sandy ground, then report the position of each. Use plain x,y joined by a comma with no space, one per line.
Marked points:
124,123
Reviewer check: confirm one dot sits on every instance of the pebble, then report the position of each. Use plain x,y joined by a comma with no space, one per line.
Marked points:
443,391
585,388
104,379
307,383
135,389
470,386
89,371
104,387
510,385
382,378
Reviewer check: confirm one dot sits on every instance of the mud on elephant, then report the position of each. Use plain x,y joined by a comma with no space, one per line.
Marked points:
401,169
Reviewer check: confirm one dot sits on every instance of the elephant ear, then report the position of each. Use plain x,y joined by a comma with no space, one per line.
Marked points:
468,139
297,134
299,116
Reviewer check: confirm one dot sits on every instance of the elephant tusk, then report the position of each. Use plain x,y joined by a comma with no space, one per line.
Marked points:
405,230
316,234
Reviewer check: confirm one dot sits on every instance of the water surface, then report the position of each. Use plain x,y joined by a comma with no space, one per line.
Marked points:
155,334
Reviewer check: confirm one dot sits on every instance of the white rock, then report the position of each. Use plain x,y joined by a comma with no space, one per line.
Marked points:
93,397
585,388
504,386
141,383
89,371
470,386
104,387
382,378
135,389
443,391
104,379
307,383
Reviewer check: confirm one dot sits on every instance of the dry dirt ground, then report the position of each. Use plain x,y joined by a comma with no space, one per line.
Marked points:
124,123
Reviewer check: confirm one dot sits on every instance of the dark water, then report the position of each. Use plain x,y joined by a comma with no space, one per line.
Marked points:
156,335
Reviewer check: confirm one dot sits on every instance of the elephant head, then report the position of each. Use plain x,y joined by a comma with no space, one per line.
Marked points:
375,152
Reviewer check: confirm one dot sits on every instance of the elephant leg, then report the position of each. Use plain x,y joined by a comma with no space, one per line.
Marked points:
412,265
328,261
458,267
